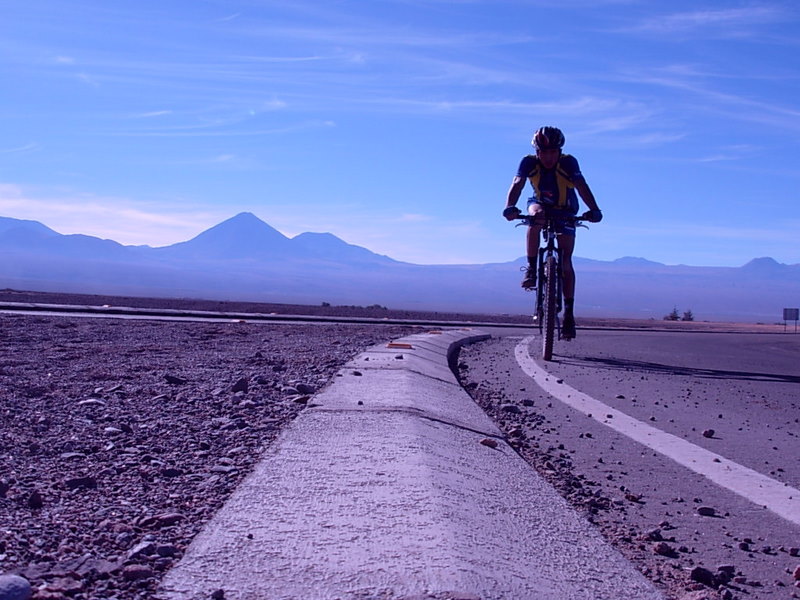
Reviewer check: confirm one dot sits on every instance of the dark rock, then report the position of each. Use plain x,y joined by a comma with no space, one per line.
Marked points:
653,536
35,502
510,408
67,586
173,380
167,550
704,576
141,549
664,549
706,511
81,482
708,433
136,572
242,385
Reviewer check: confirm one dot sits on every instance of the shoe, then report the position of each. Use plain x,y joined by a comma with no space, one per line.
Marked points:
529,281
568,328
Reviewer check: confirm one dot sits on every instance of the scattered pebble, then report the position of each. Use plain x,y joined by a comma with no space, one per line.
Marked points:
14,587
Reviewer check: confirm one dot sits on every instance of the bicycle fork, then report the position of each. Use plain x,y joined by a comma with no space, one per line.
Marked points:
541,287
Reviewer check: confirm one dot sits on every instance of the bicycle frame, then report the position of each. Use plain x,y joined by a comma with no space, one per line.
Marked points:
549,291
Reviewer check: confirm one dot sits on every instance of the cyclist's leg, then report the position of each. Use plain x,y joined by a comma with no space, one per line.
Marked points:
532,245
566,245
535,210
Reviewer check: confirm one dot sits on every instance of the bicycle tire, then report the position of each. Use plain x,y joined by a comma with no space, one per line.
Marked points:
551,286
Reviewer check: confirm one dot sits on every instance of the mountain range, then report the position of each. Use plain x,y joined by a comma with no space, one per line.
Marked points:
244,258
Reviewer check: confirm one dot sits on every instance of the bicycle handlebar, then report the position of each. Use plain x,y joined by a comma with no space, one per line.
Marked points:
573,219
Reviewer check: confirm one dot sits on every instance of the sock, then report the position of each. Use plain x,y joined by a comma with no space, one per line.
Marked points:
569,303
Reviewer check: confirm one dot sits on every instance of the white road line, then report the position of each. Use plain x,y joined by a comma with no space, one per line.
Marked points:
778,497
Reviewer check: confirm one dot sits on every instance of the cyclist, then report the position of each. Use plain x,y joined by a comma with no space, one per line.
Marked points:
554,177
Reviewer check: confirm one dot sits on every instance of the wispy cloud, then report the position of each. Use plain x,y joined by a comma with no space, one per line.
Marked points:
124,220
220,130
25,149
729,21
155,113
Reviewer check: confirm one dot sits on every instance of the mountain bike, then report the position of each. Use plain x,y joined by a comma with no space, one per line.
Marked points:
549,277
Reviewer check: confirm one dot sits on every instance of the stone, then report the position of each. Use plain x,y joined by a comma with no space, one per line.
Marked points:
14,587
704,576
141,549
510,408
304,388
654,535
706,511
81,482
169,519
136,572
663,549
242,385
35,501
173,380
796,574
167,550
91,402
171,472
64,585
489,442
708,433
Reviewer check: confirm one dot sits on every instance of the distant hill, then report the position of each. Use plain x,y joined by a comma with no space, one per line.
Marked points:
244,258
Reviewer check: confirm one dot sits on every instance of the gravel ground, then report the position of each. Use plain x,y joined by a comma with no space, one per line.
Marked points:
645,505
119,439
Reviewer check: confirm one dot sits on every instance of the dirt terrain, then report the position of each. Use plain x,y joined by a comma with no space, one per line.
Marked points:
119,439
731,394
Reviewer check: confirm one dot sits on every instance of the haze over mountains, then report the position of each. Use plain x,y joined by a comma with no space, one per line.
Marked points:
244,258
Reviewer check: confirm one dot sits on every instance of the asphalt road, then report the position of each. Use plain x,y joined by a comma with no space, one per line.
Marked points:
730,399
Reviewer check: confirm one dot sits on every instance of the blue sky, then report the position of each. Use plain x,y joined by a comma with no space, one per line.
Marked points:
398,124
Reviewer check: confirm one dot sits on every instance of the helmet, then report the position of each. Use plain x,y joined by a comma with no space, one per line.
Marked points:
547,137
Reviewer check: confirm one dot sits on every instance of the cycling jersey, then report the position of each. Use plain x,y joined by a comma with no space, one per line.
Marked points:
554,188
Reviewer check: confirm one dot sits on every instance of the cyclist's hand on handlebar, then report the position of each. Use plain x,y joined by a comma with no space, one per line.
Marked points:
593,216
511,213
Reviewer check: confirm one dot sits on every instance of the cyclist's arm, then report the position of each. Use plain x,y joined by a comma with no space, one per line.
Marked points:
586,194
515,191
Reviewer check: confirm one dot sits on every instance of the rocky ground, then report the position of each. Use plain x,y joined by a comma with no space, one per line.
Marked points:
667,524
119,439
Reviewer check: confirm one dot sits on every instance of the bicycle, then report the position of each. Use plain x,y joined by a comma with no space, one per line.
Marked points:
549,277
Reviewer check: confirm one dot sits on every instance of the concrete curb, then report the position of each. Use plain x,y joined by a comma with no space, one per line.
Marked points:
382,489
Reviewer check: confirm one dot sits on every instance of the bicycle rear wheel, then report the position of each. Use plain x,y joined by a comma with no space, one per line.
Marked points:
550,284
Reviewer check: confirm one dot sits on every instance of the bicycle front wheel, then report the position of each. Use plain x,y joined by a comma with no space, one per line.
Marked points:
549,309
